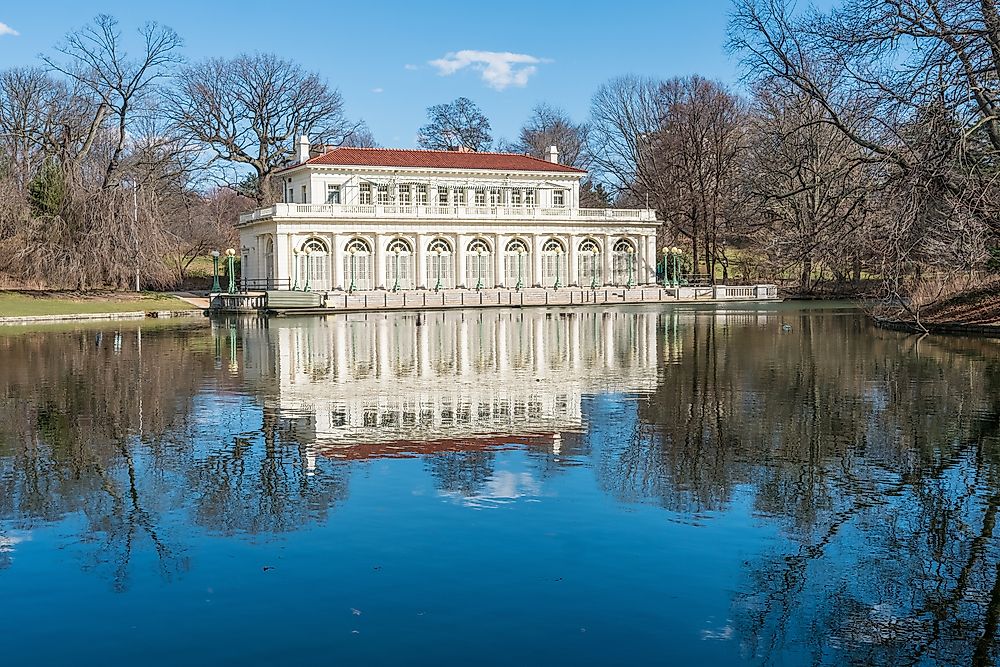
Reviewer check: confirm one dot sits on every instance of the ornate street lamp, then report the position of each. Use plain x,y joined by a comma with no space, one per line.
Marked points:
479,269
437,287
216,287
395,286
666,253
231,256
350,290
628,258
593,269
520,270
558,257
295,269
305,253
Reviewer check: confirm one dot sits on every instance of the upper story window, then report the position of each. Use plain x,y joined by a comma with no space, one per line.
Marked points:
290,195
404,195
383,195
365,193
420,195
458,196
529,197
332,194
515,197
558,197
496,198
480,198
442,196
304,194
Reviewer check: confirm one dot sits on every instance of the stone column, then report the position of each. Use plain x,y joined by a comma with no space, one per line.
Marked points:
606,263
499,276
536,260
337,262
420,257
462,254
651,256
378,279
573,270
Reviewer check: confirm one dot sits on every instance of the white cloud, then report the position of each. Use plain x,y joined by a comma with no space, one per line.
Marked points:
410,67
499,69
377,90
7,30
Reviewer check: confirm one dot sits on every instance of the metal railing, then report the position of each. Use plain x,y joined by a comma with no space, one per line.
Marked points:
264,284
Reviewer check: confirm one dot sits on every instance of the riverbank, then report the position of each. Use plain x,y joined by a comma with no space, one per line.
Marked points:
28,307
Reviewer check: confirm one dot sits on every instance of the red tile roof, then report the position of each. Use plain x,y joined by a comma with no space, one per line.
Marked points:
398,157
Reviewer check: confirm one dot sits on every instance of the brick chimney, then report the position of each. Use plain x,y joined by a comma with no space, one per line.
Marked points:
552,154
302,149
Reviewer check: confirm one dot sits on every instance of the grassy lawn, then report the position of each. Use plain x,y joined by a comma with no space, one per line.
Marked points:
14,304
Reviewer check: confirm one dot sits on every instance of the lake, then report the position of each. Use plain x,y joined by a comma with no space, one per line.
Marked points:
782,485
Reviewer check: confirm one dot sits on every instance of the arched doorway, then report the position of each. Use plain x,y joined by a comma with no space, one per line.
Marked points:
589,263
479,265
623,263
517,267
440,260
314,263
358,267
553,263
399,265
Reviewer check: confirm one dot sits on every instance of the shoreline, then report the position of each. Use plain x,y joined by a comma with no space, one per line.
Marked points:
946,328
98,317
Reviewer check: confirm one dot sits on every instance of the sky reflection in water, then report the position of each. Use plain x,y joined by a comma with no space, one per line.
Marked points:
510,487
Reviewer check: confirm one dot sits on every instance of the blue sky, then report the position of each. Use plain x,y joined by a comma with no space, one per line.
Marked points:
391,60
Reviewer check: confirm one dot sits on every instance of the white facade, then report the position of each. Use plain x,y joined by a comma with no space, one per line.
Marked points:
495,220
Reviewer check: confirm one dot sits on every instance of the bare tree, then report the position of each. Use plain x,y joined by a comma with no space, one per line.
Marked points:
455,125
96,60
549,126
249,110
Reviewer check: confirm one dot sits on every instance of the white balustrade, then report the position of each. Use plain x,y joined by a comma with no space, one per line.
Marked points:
438,212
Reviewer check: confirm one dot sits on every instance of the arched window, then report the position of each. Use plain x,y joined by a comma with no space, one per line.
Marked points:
439,245
624,265
479,265
589,264
517,268
314,265
358,265
553,245
624,245
517,246
440,265
479,246
357,246
554,265
398,245
399,269
269,263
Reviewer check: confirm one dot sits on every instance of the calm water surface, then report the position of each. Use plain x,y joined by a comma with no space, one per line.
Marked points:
686,486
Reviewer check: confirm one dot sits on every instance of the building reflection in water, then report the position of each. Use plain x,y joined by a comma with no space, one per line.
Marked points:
372,385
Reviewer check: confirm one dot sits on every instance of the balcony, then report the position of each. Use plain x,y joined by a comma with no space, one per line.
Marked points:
395,212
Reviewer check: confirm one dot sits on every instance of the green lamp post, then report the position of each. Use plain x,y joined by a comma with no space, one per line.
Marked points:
305,253
437,287
593,269
231,257
479,269
666,275
520,270
350,290
628,257
295,269
558,261
216,287
395,285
